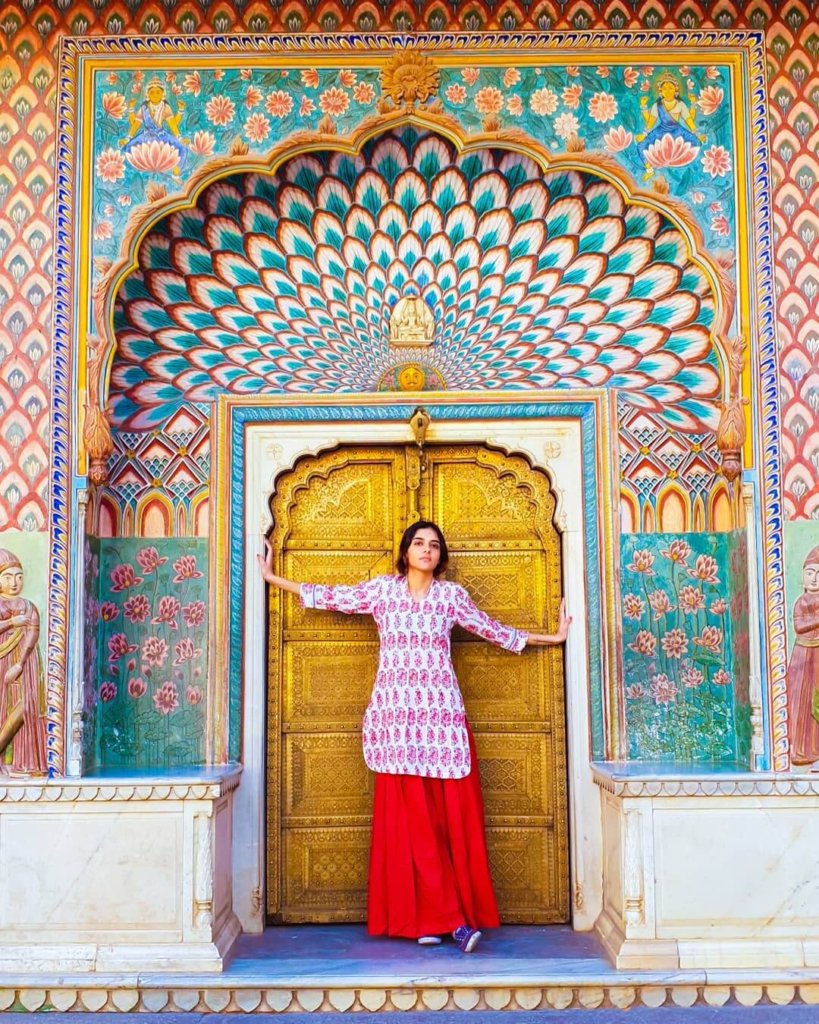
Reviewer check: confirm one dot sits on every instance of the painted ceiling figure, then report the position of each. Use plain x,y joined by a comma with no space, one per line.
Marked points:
22,689
154,122
803,670
412,322
668,115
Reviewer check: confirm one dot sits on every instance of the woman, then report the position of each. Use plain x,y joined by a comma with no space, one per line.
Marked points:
155,121
803,671
429,872
668,115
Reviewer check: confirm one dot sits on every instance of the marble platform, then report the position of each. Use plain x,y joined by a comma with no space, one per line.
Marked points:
338,968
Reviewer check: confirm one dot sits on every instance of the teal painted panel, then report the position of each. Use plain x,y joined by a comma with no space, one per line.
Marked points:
149,694
685,647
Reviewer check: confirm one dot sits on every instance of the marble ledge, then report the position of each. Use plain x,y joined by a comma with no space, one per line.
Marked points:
190,784
635,780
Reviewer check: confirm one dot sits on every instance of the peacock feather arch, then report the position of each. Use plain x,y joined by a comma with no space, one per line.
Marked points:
285,281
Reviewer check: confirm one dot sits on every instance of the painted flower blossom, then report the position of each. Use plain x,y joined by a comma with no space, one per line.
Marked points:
675,643
149,560
571,96
720,226
185,569
636,691
125,200
721,678
167,611
718,606
137,688
154,651
364,93
334,101
153,157
110,165
631,77
279,103
712,72
660,603
310,78
347,77
514,106
603,107
185,651
642,561
166,698
489,100
566,126
103,231
470,75
710,99
456,94
122,577
253,97
202,143
633,606
644,643
603,70
137,608
543,102
306,107
511,76
192,83
118,646
257,128
663,689
692,600
671,151
691,677
572,71
677,552
710,639
194,614
716,161
113,103
107,692
697,196
108,611
193,695
617,139
705,569
220,110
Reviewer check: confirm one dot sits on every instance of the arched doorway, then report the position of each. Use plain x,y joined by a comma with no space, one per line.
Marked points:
338,518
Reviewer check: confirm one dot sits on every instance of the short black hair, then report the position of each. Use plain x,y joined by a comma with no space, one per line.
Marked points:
406,540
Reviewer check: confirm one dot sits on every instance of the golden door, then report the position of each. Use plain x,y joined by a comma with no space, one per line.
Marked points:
338,518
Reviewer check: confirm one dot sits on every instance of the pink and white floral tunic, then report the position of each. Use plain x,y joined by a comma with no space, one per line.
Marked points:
415,723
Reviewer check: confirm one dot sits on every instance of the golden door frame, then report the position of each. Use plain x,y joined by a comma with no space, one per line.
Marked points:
273,441
314,734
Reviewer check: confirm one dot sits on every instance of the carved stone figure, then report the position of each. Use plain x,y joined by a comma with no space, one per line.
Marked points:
803,670
22,689
412,322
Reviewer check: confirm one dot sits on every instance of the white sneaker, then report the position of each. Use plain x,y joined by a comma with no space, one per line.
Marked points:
429,940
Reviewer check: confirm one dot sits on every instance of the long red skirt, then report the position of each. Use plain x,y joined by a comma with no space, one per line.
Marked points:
429,872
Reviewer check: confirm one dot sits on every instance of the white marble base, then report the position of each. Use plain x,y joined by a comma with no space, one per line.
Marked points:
117,875
711,872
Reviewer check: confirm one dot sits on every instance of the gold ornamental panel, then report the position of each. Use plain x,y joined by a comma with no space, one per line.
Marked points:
328,682
325,780
514,776
353,503
345,566
325,874
499,687
508,585
530,875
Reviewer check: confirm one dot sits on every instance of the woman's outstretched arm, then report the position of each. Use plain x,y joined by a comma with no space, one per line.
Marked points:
544,639
266,565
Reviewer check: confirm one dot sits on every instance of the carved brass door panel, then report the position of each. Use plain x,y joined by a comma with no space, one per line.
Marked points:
339,518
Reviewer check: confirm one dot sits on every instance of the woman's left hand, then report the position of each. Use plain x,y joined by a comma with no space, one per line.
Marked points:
564,621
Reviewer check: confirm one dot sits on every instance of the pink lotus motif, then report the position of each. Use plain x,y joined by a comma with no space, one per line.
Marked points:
602,107
617,139
118,646
489,100
149,560
166,698
543,102
691,677
675,643
103,231
122,578
571,96
310,78
113,103
107,692
167,612
108,611
669,151
511,76
185,651
306,107
470,75
677,552
710,99
456,94
718,606
137,608
642,561
154,651
192,83
110,165
721,678
194,614
644,643
692,600
220,110
193,695
705,569
137,688
515,106
153,157
631,77
364,94
635,691
185,569
660,603
663,689
334,101
716,161
202,143
279,103
710,639
720,226
253,96
633,606
566,126
347,77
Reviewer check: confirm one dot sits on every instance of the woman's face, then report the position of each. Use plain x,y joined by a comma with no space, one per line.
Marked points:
11,581
424,551
668,91
810,579
155,93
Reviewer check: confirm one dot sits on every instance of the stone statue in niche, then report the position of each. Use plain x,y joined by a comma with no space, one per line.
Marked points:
411,322
803,670
22,689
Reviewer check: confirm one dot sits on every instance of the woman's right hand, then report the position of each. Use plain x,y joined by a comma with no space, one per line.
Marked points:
266,563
